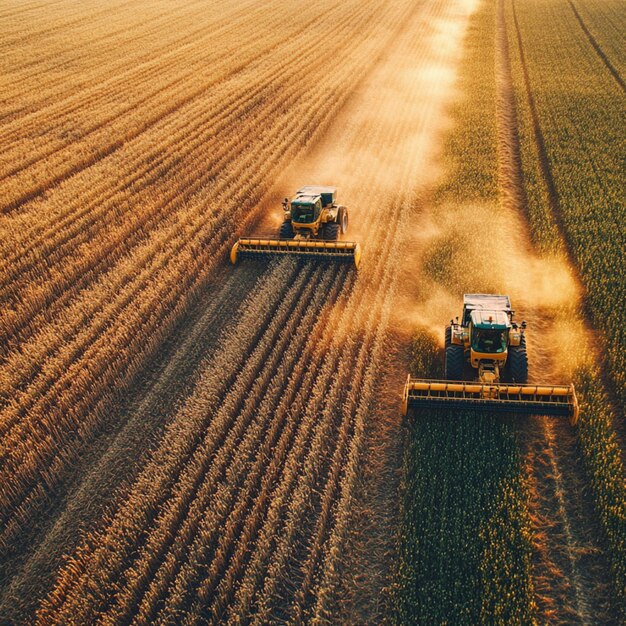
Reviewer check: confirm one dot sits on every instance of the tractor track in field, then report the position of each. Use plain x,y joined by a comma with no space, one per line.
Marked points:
596,46
570,569
542,154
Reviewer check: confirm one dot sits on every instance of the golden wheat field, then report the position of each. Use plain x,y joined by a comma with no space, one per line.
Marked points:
188,441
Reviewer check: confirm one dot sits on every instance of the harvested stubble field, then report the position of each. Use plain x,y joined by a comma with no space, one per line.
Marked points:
184,442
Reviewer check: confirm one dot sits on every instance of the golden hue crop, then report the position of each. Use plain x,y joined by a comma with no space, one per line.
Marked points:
96,270
239,508
138,211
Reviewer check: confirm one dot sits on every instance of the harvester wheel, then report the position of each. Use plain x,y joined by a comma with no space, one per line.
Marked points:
342,219
330,232
448,337
455,362
518,364
286,231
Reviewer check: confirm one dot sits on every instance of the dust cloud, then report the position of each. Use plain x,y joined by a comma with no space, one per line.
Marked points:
401,104
384,147
483,248
448,250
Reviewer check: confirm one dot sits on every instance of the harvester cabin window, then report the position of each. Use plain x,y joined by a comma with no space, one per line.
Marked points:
488,341
303,213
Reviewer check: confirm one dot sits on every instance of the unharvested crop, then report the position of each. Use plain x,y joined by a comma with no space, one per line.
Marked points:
498,159
573,179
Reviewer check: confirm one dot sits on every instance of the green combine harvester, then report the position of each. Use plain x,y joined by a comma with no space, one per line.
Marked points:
312,225
488,346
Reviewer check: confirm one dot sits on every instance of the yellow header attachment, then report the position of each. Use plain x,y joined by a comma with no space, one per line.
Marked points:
526,399
315,248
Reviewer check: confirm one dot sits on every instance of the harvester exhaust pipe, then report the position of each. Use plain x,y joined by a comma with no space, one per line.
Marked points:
502,398
311,248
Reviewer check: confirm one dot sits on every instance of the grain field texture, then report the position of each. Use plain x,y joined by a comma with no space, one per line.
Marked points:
244,396
187,442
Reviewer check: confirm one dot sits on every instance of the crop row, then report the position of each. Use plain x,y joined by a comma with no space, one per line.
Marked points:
194,447
465,556
565,118
83,223
47,419
52,145
240,530
136,39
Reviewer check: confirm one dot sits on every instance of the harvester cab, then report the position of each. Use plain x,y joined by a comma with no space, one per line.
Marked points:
488,340
312,225
488,346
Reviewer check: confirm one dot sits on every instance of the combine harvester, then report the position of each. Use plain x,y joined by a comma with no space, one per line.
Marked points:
488,341
311,228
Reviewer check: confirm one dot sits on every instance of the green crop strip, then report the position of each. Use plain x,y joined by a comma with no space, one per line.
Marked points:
570,111
465,544
465,553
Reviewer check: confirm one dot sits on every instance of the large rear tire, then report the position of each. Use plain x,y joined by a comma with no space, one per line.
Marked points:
286,231
448,337
455,362
342,219
330,231
517,364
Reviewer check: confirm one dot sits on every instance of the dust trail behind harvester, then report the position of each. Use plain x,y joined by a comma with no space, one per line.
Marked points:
461,247
402,100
